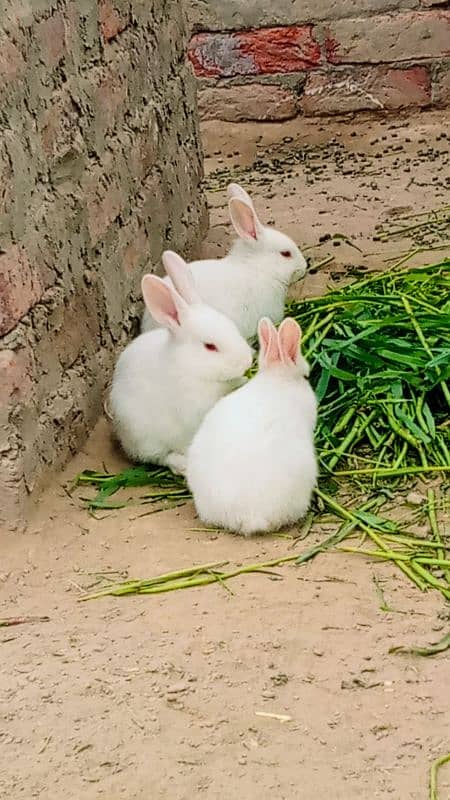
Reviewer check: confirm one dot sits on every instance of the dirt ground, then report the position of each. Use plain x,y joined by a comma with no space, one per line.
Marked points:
161,697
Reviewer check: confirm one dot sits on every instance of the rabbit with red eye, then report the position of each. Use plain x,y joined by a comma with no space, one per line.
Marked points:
252,464
167,379
253,279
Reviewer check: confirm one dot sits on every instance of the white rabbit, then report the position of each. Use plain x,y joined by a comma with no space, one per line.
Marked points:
252,465
253,279
166,380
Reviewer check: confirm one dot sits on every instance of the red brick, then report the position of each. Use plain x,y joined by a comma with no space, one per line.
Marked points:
403,88
51,35
331,50
362,88
16,376
441,86
11,62
389,38
251,101
20,287
254,52
111,22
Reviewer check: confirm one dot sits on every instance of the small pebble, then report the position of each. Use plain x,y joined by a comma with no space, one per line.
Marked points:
414,499
176,688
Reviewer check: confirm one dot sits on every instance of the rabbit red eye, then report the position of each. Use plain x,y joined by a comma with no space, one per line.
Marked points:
286,254
210,346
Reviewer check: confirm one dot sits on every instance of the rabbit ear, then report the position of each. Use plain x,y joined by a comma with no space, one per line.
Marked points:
268,342
244,219
234,190
289,337
181,276
164,303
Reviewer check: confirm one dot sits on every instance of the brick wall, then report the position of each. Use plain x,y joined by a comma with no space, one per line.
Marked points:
100,167
274,59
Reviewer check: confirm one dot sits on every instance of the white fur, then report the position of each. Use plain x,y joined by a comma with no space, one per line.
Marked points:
252,465
253,279
166,380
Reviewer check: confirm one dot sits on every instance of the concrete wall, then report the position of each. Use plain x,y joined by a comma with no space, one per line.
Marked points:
274,59
100,166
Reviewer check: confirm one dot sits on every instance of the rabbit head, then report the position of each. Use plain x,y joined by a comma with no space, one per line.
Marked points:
271,249
281,349
207,342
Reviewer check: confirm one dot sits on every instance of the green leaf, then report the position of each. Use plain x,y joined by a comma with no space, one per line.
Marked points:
380,524
428,416
341,374
399,358
322,385
396,390
411,425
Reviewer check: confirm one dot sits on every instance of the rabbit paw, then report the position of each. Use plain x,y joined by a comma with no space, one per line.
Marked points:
177,462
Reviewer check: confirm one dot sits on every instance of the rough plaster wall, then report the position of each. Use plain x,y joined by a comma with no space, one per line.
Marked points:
216,15
266,60
100,166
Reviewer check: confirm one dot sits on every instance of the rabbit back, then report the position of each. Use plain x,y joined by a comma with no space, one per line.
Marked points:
252,465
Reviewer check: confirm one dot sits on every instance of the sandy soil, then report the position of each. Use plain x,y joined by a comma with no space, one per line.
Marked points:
161,697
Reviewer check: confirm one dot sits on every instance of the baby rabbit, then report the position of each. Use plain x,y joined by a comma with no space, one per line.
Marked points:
167,379
252,280
252,465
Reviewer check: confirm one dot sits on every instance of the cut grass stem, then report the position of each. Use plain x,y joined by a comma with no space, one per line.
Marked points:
350,516
200,575
392,472
435,767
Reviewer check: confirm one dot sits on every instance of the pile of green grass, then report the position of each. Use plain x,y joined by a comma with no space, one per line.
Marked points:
380,356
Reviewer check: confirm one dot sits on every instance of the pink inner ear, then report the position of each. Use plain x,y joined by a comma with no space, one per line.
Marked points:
268,341
167,307
159,301
289,335
244,219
